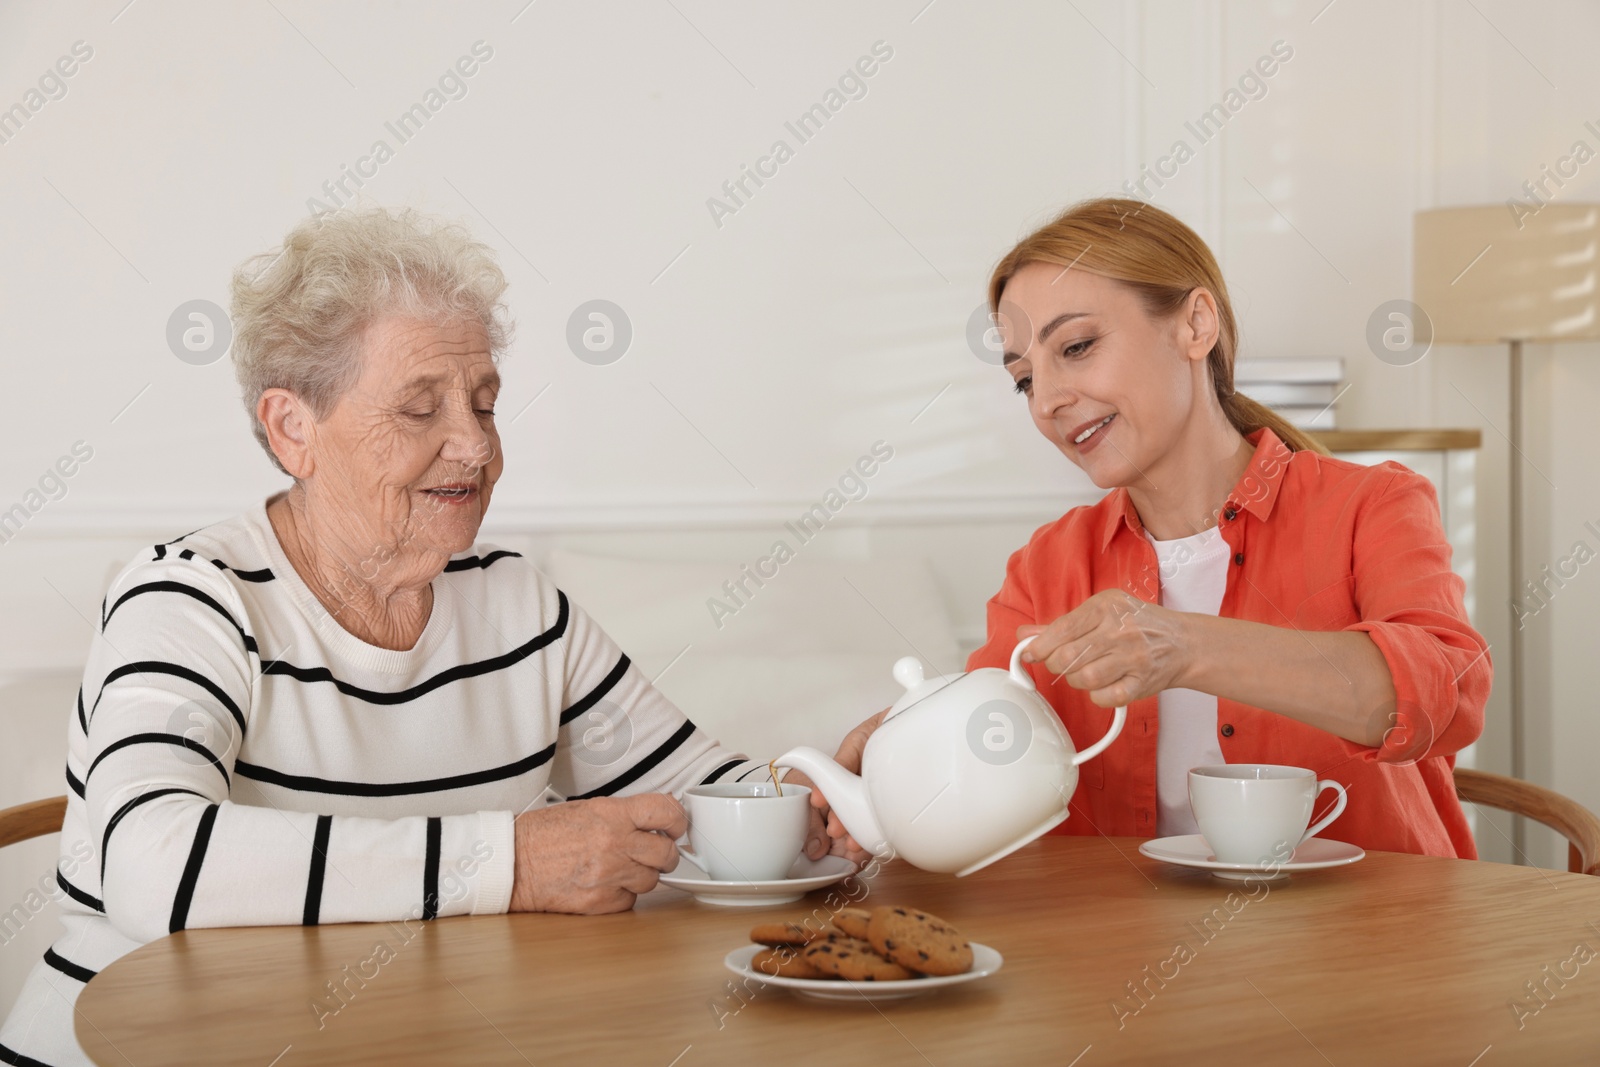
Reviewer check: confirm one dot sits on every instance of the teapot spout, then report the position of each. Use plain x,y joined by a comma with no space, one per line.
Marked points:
846,794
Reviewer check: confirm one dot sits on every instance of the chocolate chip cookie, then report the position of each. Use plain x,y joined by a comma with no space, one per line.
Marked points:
785,961
855,961
852,922
919,941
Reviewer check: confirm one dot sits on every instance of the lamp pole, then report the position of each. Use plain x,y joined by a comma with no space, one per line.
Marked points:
1518,679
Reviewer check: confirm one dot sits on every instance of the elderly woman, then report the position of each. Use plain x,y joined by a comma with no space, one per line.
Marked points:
338,706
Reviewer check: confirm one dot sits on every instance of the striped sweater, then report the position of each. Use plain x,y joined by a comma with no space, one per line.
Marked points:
236,758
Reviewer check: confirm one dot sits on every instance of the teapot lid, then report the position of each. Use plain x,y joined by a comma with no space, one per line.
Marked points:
908,671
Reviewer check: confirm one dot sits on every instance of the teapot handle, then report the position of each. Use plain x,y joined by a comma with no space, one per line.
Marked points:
1018,675
1099,746
1024,679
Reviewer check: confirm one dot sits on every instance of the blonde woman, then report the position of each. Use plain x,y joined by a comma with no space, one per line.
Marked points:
1249,598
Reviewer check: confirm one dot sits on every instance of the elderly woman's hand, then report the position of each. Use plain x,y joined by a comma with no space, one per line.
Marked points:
591,857
1114,645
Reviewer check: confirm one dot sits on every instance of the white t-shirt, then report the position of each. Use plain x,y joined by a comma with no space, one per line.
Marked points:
1194,574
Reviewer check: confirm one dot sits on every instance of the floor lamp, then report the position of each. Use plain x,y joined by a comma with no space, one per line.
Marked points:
1510,273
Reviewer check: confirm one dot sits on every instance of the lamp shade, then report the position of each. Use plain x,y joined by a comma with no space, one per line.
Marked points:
1488,273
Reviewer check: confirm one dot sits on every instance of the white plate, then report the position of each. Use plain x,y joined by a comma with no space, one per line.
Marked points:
1191,850
985,961
804,876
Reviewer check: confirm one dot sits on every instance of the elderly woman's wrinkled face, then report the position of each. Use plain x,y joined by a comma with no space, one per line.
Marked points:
410,453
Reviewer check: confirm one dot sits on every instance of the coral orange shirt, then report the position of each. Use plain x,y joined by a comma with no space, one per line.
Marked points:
1318,544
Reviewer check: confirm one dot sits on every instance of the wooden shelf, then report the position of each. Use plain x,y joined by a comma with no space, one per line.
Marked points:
1397,440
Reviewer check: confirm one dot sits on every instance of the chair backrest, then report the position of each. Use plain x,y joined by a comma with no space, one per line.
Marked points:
32,820
1565,816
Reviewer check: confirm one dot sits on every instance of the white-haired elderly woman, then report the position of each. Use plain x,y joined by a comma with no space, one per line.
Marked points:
338,706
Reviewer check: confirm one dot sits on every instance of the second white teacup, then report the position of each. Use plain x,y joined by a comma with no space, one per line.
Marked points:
1257,812
745,831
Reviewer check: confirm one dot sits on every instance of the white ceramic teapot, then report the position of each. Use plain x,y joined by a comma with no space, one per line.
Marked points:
965,769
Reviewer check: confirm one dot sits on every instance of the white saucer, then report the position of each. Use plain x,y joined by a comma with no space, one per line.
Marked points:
804,876
1191,850
985,961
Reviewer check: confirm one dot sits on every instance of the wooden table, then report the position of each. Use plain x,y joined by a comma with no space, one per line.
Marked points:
1396,959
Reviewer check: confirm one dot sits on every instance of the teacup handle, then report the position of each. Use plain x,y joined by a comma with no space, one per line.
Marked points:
1338,809
689,855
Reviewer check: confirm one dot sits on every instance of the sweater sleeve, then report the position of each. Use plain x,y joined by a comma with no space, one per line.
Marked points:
1411,607
169,699
620,735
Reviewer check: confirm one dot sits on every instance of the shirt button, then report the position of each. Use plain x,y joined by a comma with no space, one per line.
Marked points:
1238,560
1227,729
1230,513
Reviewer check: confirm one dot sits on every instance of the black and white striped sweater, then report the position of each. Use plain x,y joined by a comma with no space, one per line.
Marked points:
237,758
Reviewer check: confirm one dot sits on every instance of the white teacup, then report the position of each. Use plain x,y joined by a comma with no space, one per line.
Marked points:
745,831
1257,812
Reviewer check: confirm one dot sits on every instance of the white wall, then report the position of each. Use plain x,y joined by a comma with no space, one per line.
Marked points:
826,313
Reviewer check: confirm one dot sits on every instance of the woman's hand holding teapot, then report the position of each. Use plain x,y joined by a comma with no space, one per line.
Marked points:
848,757
1114,645
822,837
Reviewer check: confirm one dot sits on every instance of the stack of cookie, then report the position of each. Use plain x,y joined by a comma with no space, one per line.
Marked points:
886,944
